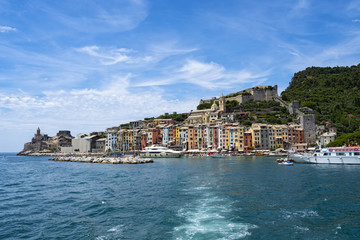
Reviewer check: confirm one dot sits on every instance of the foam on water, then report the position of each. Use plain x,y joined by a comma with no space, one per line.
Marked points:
301,214
207,218
113,233
301,229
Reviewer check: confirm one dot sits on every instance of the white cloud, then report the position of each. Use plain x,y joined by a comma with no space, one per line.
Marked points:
356,20
4,29
344,53
84,110
114,56
206,75
169,48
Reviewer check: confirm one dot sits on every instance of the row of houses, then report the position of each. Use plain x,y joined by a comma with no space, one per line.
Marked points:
231,137
211,136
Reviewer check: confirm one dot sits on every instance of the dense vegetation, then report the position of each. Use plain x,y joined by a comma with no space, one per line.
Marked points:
125,126
177,117
350,139
202,106
237,94
263,112
333,94
260,112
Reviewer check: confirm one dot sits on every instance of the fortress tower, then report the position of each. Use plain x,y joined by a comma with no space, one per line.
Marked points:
222,103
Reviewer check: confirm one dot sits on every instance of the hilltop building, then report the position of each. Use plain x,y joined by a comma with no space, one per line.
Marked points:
38,137
259,93
208,115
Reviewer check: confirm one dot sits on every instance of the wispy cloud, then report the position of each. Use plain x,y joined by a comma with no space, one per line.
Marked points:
206,75
301,4
91,17
169,48
113,56
4,29
312,54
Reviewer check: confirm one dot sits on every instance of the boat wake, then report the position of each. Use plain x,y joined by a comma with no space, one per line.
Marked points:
209,217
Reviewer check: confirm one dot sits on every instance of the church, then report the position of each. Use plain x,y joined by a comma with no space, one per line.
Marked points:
211,115
38,137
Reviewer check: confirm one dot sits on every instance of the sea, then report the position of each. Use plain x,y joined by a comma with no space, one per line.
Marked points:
238,197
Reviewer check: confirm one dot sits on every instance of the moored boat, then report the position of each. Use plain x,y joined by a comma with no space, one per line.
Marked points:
160,152
286,163
332,155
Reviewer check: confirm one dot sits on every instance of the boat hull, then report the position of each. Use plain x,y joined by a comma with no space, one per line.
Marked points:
326,159
160,155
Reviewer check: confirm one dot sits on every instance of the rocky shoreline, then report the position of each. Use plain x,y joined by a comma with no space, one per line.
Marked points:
106,160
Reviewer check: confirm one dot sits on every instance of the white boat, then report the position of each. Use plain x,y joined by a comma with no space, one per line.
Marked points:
286,163
160,152
334,155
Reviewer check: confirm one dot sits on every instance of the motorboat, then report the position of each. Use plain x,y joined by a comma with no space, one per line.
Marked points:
160,152
332,155
286,163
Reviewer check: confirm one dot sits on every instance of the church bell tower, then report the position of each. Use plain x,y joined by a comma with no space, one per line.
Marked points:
222,104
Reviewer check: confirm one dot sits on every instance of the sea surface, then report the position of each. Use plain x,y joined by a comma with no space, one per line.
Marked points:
186,198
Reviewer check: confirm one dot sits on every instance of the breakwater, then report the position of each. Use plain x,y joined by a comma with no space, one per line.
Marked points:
106,160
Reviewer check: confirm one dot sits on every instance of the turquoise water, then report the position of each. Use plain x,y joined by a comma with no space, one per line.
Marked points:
231,198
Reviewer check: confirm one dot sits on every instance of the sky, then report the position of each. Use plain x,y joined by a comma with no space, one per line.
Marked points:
86,65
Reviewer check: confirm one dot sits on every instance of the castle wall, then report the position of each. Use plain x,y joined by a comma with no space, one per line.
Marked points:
241,98
263,93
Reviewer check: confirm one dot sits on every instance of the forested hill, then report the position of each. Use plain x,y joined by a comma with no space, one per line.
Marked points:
333,93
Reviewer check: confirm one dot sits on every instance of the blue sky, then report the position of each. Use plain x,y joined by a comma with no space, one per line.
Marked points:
88,65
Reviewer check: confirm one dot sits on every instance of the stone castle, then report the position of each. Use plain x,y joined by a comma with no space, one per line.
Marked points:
217,113
43,143
259,93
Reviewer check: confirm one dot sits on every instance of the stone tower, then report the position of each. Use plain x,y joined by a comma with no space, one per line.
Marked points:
222,103
307,122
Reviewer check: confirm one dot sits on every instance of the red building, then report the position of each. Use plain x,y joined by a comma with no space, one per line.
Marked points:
143,141
156,136
296,135
247,140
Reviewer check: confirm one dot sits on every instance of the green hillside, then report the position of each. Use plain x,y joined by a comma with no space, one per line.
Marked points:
333,93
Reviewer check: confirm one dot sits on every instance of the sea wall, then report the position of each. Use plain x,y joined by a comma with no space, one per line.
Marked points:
107,160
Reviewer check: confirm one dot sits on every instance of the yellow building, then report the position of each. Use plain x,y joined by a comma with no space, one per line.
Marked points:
280,135
234,138
177,137
125,140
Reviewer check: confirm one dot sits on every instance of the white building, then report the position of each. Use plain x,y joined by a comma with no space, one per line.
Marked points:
111,139
83,143
165,137
326,138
